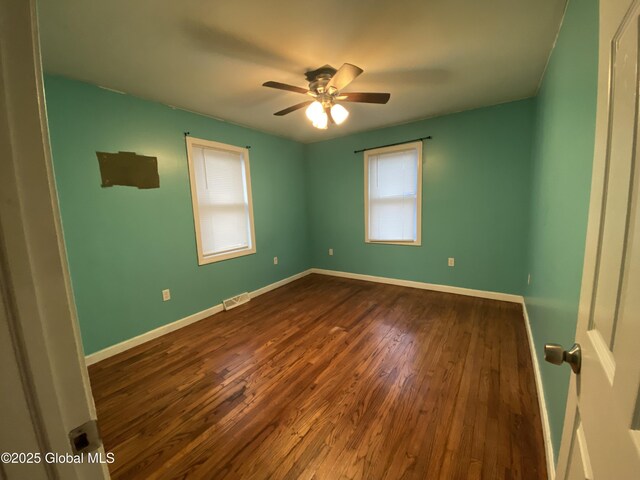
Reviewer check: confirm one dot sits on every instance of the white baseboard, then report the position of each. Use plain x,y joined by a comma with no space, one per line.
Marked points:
505,297
150,335
183,322
544,416
279,283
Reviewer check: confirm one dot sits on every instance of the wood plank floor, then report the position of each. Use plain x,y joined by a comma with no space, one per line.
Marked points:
329,378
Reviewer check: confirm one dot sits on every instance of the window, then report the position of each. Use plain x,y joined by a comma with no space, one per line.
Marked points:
221,196
393,194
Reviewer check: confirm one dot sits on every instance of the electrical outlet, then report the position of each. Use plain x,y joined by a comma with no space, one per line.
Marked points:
452,262
275,260
331,252
166,295
529,279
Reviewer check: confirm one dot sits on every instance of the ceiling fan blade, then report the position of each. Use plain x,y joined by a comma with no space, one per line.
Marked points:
364,97
284,86
293,108
346,74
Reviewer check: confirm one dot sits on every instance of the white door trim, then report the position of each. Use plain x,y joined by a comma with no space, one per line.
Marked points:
36,290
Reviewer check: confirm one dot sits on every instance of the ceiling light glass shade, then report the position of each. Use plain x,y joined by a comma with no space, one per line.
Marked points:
321,121
314,111
339,113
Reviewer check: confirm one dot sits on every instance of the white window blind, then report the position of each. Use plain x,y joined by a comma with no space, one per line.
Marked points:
393,194
222,200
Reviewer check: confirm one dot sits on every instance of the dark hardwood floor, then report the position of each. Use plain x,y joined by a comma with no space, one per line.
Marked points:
329,378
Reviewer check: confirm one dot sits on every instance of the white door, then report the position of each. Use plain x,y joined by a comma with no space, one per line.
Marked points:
45,391
601,437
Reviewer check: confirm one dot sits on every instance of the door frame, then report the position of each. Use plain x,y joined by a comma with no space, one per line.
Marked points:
39,317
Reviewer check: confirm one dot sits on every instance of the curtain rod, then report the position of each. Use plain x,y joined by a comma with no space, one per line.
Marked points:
393,144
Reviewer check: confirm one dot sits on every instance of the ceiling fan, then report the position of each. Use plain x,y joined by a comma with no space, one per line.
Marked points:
325,86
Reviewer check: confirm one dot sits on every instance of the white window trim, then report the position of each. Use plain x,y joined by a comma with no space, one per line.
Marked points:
206,259
395,148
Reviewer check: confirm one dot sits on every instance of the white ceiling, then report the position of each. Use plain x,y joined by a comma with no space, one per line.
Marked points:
208,56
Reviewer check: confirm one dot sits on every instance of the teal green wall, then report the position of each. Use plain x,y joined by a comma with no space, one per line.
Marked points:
125,245
561,180
475,201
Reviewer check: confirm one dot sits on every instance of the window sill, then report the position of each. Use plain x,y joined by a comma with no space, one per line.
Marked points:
207,259
392,242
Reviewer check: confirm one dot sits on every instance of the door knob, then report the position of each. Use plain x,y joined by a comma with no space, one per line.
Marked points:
554,353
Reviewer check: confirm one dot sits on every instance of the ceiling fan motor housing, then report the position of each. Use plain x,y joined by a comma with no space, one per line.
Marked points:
325,70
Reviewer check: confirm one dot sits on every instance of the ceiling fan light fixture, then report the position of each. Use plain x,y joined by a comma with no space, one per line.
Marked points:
321,121
339,113
325,85
314,111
